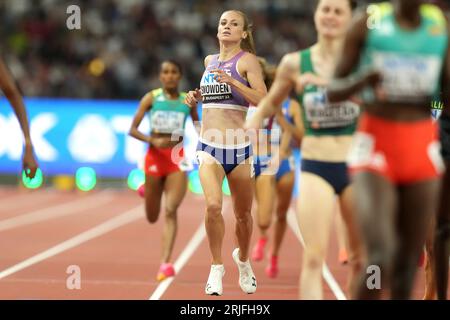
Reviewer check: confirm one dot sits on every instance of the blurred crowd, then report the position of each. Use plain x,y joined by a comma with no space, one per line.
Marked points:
117,51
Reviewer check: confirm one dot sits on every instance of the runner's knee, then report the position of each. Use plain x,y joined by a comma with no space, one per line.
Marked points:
213,210
171,212
243,216
314,258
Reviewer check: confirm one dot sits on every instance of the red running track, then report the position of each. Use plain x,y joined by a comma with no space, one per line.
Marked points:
106,235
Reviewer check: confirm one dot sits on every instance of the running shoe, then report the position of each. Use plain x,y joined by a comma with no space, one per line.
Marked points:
258,250
272,267
141,190
214,284
247,279
166,270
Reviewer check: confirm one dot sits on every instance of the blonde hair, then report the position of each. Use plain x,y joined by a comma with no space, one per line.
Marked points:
248,43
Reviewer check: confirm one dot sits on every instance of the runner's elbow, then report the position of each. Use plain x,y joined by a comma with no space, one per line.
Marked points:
132,132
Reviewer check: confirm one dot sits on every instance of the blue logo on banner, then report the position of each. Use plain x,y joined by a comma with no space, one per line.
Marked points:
69,133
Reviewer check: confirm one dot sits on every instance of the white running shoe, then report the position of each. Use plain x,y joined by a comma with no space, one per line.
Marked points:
247,279
214,283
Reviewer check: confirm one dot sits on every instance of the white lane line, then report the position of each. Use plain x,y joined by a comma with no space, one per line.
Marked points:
184,257
97,231
57,211
331,281
16,200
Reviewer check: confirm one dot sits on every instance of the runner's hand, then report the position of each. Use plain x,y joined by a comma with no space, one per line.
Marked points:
29,163
193,97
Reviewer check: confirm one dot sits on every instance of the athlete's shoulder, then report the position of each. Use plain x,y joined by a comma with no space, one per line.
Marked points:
148,99
380,9
208,59
249,58
183,95
433,13
386,7
291,58
156,92
248,55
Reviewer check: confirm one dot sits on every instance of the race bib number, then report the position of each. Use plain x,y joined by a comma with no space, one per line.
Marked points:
408,78
167,121
324,115
213,91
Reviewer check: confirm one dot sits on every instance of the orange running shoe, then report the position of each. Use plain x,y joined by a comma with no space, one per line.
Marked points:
141,190
258,250
166,270
272,267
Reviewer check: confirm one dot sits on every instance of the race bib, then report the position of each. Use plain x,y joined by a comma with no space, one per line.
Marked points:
407,78
325,115
213,91
167,121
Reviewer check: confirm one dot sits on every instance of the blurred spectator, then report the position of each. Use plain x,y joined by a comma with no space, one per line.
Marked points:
121,42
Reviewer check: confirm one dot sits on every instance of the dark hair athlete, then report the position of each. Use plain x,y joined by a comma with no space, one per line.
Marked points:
395,156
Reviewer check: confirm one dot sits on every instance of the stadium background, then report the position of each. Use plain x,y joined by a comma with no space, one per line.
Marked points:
82,86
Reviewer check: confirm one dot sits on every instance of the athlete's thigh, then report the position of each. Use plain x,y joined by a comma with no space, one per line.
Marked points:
418,203
376,205
211,177
315,210
242,185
